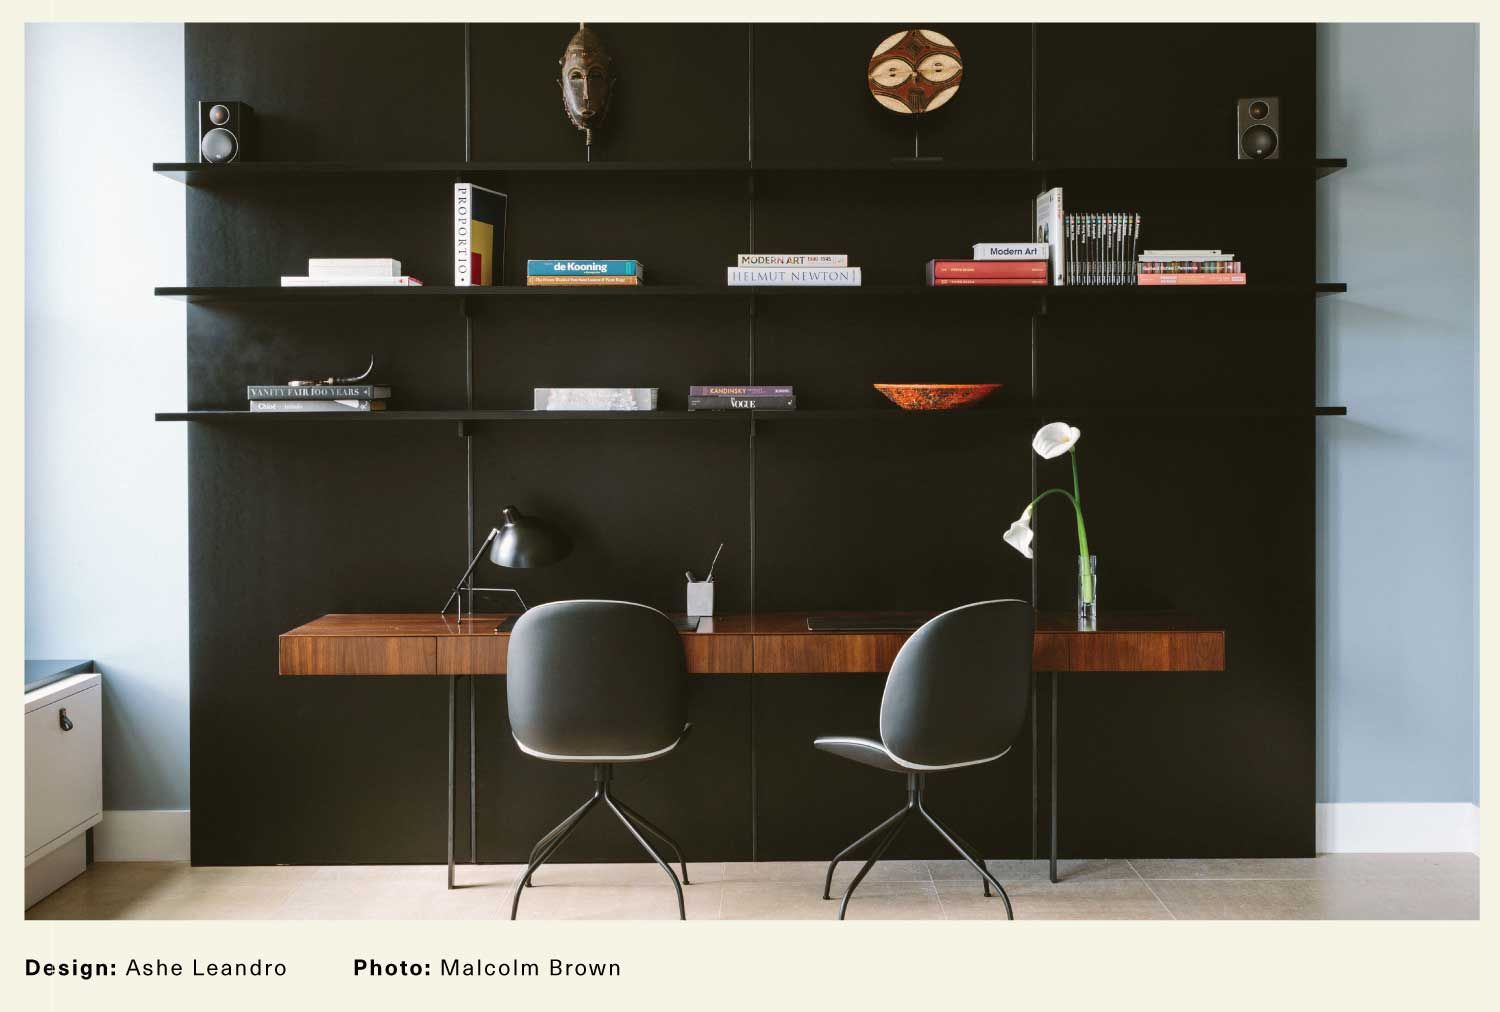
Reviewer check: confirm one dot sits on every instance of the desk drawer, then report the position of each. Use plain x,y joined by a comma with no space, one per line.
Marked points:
63,782
357,655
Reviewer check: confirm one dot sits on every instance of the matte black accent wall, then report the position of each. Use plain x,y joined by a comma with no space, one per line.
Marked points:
1209,513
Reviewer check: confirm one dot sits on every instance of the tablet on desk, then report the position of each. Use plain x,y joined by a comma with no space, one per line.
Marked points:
873,621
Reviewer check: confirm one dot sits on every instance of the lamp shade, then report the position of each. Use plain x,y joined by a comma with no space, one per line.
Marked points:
526,542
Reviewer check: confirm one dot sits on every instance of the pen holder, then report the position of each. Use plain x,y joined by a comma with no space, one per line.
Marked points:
700,599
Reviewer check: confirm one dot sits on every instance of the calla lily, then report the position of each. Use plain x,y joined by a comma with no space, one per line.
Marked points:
1054,439
1020,534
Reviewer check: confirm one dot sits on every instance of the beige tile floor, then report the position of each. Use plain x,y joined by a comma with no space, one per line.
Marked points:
1333,886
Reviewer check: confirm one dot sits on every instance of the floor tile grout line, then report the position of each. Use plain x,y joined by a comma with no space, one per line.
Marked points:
1150,888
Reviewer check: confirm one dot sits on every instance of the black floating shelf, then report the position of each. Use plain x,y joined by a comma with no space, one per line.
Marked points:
801,415
199,174
273,293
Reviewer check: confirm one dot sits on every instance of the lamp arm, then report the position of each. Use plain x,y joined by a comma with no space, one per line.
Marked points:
458,588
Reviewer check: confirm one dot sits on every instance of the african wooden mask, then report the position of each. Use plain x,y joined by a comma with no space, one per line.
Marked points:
915,71
587,80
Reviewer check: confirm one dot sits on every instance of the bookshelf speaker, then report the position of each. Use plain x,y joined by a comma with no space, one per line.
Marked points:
1259,128
223,129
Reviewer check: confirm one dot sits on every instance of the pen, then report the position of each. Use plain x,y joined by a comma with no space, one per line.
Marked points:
711,565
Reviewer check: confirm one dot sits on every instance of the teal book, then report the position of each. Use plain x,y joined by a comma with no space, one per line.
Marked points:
585,268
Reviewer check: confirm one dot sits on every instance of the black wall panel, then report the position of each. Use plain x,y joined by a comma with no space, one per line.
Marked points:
1206,513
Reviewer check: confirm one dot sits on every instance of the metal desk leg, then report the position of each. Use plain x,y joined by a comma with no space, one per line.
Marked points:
1056,695
1036,812
452,733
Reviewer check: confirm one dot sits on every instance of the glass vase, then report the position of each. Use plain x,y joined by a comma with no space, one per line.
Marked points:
1088,593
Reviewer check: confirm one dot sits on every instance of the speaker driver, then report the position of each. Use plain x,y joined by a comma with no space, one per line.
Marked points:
219,146
1259,142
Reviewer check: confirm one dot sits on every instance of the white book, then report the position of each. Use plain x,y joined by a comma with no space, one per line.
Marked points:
793,260
792,277
1179,254
1049,229
297,281
343,267
1010,251
594,398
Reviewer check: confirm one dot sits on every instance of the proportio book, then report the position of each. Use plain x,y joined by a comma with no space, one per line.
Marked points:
478,235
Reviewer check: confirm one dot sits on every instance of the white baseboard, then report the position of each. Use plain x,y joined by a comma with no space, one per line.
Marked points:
143,836
1397,827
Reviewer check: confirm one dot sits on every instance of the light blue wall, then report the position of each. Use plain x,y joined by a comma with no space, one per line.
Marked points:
1398,479
106,487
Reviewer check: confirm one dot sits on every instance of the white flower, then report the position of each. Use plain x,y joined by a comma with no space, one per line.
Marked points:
1020,534
1054,439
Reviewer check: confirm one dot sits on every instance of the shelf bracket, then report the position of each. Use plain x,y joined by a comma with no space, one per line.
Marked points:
465,429
466,307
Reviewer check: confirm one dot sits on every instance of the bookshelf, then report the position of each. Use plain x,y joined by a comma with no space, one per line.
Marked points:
1199,410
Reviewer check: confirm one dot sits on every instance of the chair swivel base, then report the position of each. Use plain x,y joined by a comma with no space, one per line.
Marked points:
916,783
631,819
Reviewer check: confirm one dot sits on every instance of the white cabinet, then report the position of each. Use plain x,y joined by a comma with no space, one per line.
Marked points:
64,777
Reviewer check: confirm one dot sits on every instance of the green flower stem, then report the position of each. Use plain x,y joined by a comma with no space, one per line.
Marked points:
1085,573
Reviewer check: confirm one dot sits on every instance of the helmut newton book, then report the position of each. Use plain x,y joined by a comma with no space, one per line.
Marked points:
793,260
820,277
478,235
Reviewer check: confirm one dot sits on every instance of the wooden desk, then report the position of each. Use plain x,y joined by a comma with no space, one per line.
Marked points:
770,644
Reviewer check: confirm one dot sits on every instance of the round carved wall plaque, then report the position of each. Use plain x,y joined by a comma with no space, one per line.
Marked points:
915,71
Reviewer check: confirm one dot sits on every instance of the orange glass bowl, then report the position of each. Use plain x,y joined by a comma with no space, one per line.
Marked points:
936,396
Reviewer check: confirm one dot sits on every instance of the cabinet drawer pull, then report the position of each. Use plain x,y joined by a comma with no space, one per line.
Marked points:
63,721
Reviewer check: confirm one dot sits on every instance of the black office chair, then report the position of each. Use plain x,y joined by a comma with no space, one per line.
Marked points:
956,696
602,683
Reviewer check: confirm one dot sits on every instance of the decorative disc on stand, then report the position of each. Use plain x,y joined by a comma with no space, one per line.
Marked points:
915,71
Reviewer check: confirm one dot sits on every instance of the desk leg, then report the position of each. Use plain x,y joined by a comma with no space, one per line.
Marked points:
1036,811
473,770
452,750
1056,696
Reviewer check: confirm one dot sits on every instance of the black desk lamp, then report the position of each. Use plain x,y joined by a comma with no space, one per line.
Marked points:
520,542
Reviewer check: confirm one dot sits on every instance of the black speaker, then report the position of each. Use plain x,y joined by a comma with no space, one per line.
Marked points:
223,131
1258,128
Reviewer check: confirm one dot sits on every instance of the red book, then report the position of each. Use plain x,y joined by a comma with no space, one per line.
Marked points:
1190,279
986,269
987,282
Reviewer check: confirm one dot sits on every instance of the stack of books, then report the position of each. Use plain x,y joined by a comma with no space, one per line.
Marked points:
585,272
1189,267
741,398
792,270
1101,247
994,263
286,397
349,271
